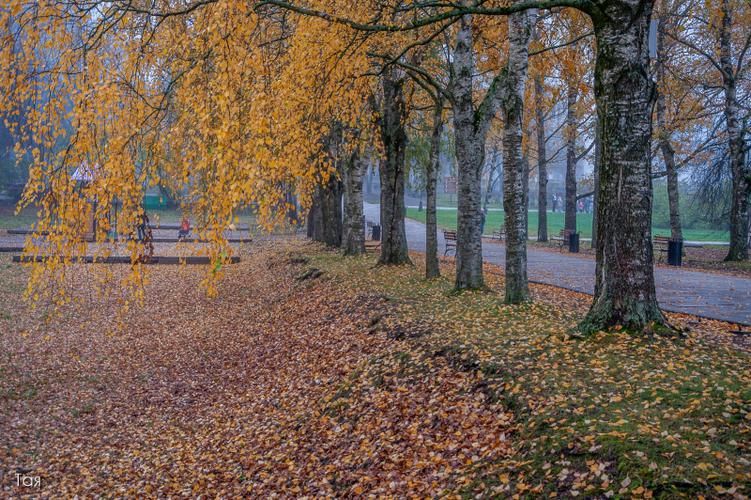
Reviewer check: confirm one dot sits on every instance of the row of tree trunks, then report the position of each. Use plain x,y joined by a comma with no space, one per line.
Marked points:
325,216
515,185
624,290
326,221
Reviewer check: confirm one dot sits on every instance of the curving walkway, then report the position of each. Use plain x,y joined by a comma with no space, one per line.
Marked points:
678,290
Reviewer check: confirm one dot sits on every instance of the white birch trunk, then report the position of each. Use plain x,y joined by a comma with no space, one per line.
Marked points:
353,237
515,174
624,285
741,173
470,134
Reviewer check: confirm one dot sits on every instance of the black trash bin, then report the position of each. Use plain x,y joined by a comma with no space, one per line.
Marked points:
675,252
376,232
573,242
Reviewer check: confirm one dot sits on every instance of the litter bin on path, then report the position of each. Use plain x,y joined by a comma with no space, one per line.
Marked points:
675,252
573,242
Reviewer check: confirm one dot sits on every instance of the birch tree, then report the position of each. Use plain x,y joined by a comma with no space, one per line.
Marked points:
716,35
515,170
392,119
353,231
216,35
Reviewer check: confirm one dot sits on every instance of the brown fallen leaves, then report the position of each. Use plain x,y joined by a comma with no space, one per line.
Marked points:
359,380
278,386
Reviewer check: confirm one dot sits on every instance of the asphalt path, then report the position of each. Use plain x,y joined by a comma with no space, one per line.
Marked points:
704,294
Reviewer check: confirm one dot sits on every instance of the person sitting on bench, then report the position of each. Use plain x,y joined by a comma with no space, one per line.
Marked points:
184,229
143,224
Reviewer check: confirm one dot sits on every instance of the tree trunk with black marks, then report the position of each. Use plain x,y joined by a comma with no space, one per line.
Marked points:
393,115
741,173
515,173
492,179
624,286
315,226
471,125
353,241
432,269
676,232
470,133
326,214
570,202
542,164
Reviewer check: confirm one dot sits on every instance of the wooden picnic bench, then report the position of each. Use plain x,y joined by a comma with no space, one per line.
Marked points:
450,239
562,238
500,234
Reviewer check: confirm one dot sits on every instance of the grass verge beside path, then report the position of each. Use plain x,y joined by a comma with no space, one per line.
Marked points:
616,414
447,220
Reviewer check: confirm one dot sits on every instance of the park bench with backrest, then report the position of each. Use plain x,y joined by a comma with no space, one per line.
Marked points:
371,245
500,234
660,245
562,238
450,239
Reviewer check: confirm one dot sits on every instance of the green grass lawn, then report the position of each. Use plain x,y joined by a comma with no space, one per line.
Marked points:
9,220
447,220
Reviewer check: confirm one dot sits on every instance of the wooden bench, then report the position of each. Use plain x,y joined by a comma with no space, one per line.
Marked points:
450,238
500,234
372,245
660,245
562,238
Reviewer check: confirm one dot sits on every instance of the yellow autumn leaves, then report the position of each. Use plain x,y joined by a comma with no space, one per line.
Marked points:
223,107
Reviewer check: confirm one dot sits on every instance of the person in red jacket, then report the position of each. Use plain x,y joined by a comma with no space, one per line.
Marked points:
184,229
